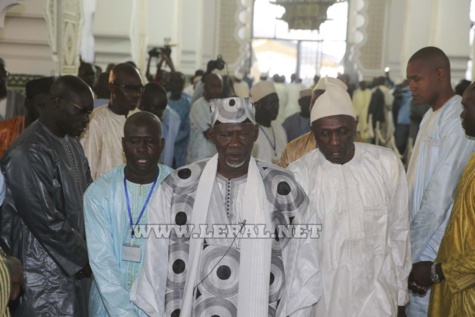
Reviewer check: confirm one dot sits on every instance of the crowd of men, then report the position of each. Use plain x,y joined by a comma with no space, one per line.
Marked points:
121,198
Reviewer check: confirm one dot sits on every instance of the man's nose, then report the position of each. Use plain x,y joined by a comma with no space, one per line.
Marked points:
235,141
142,146
335,139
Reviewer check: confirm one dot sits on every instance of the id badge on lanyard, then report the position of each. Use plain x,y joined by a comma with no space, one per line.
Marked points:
131,252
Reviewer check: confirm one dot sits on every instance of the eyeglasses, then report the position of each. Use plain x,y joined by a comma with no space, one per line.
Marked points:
130,88
81,109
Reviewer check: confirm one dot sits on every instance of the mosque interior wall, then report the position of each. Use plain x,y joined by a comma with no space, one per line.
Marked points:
43,37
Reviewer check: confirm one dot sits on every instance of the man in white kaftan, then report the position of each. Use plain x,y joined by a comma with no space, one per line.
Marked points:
200,147
359,194
102,139
438,159
272,137
229,275
108,224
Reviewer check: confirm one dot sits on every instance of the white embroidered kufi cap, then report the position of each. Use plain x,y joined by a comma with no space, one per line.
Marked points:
333,102
262,89
232,110
322,83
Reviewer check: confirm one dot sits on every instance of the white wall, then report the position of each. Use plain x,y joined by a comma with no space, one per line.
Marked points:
438,23
24,40
194,26
191,25
112,31
191,36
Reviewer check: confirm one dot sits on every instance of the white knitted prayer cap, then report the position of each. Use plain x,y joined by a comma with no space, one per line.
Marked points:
333,102
262,89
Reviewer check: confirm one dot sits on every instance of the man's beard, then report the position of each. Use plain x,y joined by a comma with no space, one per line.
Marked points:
232,165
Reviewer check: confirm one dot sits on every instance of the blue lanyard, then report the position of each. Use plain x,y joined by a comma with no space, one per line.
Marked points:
144,206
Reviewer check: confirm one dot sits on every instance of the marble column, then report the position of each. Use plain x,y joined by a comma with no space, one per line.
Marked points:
64,21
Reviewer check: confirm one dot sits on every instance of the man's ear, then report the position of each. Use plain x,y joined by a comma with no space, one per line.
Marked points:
123,144
440,73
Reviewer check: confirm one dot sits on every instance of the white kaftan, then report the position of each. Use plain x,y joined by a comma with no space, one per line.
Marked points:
364,249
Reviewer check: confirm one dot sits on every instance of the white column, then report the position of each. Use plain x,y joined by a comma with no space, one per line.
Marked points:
234,37
64,20
367,39
191,34
87,38
394,42
138,33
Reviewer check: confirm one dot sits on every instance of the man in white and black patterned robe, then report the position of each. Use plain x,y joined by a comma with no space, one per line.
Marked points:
227,276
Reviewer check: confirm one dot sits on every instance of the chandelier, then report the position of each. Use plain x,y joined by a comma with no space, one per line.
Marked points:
305,14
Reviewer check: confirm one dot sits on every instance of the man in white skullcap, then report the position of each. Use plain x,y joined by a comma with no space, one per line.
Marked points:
299,123
305,143
359,193
223,273
272,137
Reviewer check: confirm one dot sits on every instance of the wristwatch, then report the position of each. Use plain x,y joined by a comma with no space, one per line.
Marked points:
433,274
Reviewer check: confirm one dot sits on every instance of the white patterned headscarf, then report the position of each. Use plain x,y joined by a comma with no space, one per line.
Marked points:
232,110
